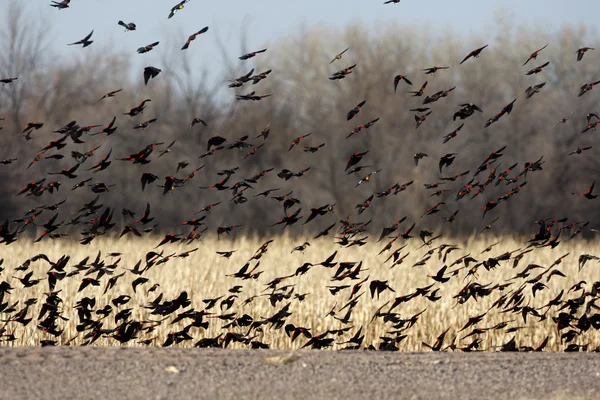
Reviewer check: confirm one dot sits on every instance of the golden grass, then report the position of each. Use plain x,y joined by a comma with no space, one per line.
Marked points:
203,276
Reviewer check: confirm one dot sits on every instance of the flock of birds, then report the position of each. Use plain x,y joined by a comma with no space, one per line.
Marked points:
573,310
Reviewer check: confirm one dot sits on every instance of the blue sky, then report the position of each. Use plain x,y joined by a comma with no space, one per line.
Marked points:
267,20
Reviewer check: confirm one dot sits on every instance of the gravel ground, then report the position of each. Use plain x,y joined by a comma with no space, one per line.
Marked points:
134,373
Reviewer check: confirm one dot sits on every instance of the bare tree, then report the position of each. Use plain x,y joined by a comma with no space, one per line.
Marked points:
22,52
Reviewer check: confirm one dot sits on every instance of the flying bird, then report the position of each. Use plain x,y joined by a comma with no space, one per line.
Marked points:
580,150
176,8
237,82
341,74
8,80
419,156
564,120
367,178
589,117
399,78
193,37
453,134
60,5
147,178
109,94
146,49
197,121
252,96
582,51
466,111
128,27
137,110
150,72
167,150
446,160
534,55
538,69
338,56
108,129
144,125
313,149
422,118
505,110
420,91
587,87
588,195
433,70
355,110
250,55
355,159
298,139
259,77
85,41
475,53
531,90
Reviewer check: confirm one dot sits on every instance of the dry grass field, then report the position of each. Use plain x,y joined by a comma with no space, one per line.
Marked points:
204,275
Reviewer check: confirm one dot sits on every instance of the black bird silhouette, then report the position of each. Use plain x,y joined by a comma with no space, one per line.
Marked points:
355,110
505,110
252,54
67,172
439,276
466,111
452,134
137,110
8,80
108,129
85,41
580,150
146,49
193,37
420,91
60,5
322,210
197,121
475,53
128,27
215,141
534,55
588,195
399,78
422,118
446,160
179,6
150,72
538,69
147,178
419,156
355,159
586,88
110,94
433,70
582,51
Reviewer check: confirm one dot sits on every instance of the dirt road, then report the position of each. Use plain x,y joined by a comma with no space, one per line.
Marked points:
133,373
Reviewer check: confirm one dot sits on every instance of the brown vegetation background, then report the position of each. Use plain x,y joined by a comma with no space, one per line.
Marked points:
55,91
